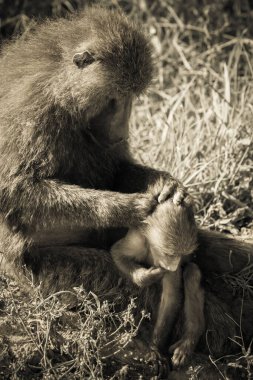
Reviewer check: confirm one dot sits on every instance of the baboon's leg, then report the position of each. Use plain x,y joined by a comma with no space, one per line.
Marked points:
13,244
194,320
168,308
58,268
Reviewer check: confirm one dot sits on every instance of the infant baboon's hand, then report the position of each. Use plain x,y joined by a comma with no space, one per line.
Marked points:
143,277
169,188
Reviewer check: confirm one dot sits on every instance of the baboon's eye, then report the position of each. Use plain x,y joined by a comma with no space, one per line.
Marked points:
83,59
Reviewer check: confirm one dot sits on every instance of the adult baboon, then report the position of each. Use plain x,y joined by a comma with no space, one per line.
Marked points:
66,175
66,96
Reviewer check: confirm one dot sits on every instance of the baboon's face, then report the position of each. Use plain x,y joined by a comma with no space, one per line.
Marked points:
106,106
107,65
88,87
111,123
167,261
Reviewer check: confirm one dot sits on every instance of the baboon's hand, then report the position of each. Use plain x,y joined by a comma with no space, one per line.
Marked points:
145,204
174,190
169,188
145,277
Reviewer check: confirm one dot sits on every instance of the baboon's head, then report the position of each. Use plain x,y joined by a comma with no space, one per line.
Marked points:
105,62
172,234
89,67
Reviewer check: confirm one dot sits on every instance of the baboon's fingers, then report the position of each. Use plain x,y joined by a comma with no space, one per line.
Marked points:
145,277
188,201
179,358
174,346
153,275
167,191
175,191
154,271
159,364
179,196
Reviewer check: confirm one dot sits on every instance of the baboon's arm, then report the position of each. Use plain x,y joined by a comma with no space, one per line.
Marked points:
135,272
133,177
127,255
48,203
124,259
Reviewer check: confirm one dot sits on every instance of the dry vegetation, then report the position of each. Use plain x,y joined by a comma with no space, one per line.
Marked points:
196,122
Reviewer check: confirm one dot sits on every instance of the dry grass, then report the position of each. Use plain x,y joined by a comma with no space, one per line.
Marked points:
40,338
196,122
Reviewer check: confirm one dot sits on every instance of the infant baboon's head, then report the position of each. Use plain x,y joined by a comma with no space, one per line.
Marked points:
172,234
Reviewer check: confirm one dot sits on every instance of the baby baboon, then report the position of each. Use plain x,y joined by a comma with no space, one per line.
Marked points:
165,243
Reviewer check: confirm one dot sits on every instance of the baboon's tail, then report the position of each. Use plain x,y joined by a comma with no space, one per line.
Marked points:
220,254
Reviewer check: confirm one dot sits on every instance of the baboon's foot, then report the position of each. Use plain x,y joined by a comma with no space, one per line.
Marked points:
182,350
138,354
158,363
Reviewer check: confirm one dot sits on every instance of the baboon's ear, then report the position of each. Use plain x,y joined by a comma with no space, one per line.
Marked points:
83,59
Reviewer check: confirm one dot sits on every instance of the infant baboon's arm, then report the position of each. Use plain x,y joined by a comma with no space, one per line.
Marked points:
130,254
